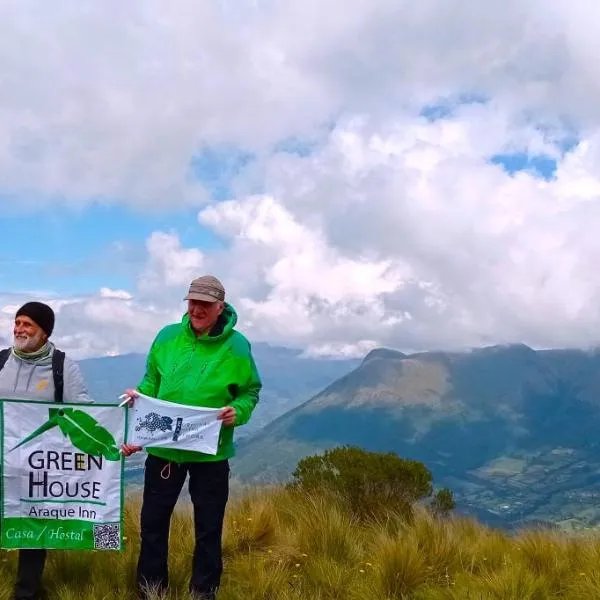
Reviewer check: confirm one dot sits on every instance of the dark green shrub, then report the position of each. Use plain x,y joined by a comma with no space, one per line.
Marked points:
442,503
368,481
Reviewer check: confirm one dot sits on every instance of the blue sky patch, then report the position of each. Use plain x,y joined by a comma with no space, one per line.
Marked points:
78,252
215,168
540,165
446,107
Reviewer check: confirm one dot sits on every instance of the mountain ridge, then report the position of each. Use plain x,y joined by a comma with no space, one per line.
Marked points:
471,416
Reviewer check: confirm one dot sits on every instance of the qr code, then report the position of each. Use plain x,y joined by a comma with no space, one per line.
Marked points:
107,537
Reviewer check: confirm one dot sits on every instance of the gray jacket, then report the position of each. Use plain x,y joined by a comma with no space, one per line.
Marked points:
24,380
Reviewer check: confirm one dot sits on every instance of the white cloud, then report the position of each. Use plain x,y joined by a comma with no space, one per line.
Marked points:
108,293
118,321
169,266
394,230
405,235
342,350
304,275
96,325
397,233
113,101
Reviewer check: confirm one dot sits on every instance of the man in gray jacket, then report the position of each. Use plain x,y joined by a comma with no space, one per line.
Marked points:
34,369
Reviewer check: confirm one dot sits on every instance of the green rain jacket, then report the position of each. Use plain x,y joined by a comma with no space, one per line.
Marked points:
213,371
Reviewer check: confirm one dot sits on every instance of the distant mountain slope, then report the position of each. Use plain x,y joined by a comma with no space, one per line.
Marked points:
514,431
109,376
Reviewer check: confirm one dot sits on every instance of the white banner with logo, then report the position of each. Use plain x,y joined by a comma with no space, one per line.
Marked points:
62,475
155,423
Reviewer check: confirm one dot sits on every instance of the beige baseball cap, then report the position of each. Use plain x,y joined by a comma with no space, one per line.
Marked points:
206,288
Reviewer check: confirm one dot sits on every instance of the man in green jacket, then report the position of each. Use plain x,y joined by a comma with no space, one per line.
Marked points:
201,361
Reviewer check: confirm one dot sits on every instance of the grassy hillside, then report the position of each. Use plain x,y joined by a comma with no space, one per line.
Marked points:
284,546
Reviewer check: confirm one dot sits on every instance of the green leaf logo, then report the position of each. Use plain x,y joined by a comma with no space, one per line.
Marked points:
85,433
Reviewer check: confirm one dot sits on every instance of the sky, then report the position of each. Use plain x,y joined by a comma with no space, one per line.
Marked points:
358,173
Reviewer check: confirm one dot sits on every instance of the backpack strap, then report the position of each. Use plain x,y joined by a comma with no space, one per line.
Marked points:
58,368
4,354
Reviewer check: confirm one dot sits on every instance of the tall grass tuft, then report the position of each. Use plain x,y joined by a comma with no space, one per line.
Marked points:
282,544
400,568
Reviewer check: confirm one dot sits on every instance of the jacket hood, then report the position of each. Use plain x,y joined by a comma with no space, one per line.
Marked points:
222,328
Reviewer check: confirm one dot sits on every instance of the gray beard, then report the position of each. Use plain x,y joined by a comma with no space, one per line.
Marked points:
31,344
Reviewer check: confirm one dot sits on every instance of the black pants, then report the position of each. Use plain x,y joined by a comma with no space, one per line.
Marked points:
209,491
29,574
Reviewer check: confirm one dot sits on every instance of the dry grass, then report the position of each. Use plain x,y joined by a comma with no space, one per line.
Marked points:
282,545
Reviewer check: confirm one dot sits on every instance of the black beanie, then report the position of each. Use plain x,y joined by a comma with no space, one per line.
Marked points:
39,313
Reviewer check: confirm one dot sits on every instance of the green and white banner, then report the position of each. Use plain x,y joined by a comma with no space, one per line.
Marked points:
62,475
